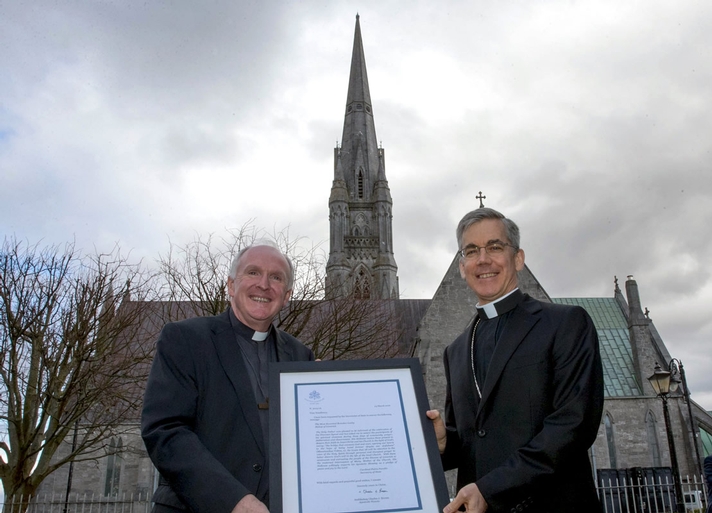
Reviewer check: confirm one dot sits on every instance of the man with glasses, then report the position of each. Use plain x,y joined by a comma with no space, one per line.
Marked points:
524,393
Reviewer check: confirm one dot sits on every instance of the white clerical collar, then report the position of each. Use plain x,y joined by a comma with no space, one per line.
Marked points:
498,306
259,336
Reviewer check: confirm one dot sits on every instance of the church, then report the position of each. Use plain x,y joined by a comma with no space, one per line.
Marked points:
632,437
362,263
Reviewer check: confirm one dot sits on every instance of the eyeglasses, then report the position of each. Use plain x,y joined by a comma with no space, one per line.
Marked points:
492,249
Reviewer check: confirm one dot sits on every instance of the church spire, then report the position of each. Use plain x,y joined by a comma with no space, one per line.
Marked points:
361,261
358,80
359,146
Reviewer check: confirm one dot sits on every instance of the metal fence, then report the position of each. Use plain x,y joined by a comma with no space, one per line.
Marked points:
620,492
87,503
649,493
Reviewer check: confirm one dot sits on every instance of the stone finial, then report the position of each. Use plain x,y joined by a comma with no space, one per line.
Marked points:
634,309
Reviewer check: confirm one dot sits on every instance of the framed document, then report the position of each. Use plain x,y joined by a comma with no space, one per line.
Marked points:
352,436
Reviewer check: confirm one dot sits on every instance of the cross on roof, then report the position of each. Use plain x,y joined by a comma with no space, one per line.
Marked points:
481,197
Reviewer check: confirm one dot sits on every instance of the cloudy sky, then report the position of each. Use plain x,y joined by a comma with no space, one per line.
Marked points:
587,122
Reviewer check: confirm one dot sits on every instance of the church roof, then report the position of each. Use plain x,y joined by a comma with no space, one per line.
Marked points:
616,352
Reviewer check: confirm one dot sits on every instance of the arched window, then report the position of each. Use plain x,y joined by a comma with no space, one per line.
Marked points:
608,424
653,445
113,468
360,184
362,285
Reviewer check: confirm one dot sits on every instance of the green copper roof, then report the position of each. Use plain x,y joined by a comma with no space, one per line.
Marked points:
616,354
706,438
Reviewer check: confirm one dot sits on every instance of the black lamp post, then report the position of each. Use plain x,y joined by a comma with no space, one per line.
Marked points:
677,369
660,380
71,467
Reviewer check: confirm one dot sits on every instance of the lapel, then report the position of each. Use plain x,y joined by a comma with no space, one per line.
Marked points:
284,353
233,364
522,320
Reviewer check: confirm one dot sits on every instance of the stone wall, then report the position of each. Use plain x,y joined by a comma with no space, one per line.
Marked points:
450,311
137,474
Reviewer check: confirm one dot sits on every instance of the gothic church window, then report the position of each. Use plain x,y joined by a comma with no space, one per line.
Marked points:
360,184
653,445
113,468
608,424
362,285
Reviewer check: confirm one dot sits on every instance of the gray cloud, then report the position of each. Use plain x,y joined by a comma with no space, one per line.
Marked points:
589,123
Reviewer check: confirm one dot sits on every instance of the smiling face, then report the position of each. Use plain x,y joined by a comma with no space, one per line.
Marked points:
259,290
490,276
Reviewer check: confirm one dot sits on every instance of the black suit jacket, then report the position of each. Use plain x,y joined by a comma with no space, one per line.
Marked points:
200,420
525,442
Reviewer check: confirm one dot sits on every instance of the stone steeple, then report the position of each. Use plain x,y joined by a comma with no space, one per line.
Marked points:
361,261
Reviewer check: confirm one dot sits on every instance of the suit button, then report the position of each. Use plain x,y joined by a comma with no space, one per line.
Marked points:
481,433
257,467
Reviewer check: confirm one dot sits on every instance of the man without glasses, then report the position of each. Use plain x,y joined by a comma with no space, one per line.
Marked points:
205,414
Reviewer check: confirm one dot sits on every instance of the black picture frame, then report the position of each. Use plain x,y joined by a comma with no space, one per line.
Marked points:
403,375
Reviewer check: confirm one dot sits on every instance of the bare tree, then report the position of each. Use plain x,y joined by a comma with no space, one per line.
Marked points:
345,328
69,364
193,276
194,280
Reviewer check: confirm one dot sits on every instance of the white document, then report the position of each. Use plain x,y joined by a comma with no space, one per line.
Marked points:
354,443
354,448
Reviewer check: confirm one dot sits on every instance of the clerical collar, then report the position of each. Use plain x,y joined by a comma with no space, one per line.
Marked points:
245,331
500,306
259,336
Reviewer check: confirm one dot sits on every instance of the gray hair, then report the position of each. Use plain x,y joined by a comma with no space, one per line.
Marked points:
481,214
262,242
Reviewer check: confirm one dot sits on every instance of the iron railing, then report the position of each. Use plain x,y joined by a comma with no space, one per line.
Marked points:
617,494
86,503
650,494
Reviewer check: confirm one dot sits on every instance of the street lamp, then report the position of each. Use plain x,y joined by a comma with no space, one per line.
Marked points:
677,369
660,381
